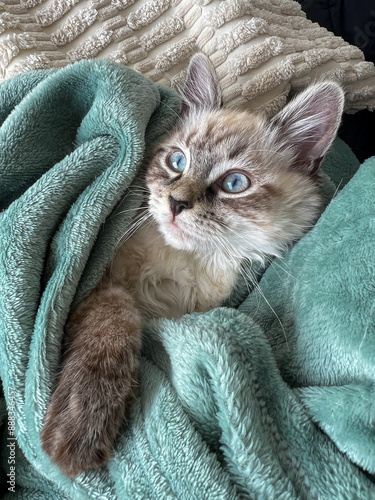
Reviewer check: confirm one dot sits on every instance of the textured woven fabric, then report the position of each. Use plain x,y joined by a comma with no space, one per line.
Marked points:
262,49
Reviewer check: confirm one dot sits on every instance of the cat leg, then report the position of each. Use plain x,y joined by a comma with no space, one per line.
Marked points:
96,384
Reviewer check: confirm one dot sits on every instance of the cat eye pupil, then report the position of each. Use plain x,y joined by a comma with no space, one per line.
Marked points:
235,183
177,161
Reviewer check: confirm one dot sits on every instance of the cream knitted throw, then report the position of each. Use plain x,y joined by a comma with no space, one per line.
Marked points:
262,49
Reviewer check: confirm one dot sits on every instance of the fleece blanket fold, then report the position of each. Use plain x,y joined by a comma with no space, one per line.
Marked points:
271,398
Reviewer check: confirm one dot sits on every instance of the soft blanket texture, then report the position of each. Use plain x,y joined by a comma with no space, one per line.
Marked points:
261,49
272,399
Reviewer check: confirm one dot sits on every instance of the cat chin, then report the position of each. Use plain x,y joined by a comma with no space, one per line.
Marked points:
174,237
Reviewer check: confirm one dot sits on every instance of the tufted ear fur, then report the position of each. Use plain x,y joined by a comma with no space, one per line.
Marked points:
309,123
202,90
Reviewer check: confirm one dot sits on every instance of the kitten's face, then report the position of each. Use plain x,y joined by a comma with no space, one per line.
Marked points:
240,194
230,182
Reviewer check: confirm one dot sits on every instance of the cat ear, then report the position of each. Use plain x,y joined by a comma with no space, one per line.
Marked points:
202,90
309,123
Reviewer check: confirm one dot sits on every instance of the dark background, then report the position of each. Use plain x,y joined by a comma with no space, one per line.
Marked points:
354,21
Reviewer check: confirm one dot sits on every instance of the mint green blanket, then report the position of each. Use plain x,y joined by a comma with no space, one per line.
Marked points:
269,399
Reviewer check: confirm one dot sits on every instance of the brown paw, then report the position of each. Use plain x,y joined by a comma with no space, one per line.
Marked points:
96,383
80,427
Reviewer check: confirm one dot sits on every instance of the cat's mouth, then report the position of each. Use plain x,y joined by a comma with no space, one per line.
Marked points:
174,228
176,231
175,234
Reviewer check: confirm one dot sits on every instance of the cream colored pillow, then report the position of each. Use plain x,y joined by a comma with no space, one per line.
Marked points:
262,49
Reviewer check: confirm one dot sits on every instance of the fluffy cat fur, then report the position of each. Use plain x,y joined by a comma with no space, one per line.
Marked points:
187,254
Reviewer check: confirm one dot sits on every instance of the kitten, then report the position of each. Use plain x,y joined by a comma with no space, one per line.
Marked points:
224,186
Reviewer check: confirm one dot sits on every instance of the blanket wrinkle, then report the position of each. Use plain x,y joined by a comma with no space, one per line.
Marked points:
233,403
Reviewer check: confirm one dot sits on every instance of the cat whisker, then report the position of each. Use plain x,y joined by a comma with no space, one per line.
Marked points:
255,252
249,276
163,103
229,251
149,223
223,225
274,263
337,189
274,268
133,188
136,225
260,291
116,214
142,219
249,281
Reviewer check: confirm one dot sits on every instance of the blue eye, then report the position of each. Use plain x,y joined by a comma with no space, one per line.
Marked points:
235,183
177,161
